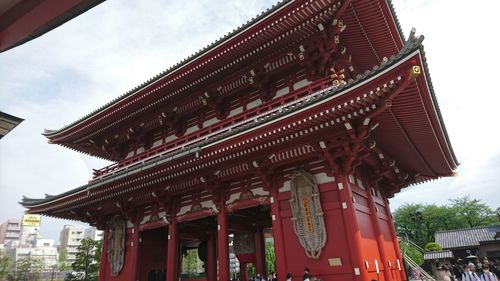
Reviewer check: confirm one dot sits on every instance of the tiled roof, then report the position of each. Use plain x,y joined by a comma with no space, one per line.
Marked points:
413,44
460,238
436,255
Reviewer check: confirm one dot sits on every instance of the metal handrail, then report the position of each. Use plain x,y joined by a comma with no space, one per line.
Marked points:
421,271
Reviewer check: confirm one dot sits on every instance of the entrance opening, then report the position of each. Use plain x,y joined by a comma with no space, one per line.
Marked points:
252,243
153,252
197,240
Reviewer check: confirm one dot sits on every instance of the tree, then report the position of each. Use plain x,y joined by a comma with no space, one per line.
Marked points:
4,266
270,257
413,253
432,246
473,212
63,260
87,261
419,222
27,269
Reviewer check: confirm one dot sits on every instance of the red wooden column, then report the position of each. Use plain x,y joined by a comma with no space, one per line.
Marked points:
211,260
243,272
351,226
378,233
172,251
222,243
395,242
104,256
279,246
134,244
260,255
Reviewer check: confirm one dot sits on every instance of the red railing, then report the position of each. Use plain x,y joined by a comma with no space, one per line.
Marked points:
215,129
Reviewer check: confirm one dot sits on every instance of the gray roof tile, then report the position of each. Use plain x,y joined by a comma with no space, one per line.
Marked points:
460,238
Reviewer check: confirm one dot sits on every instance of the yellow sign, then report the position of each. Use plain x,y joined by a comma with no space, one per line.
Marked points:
31,220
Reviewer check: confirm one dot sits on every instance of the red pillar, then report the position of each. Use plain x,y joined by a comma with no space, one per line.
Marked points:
279,246
395,242
211,260
104,256
222,244
172,251
378,234
260,255
351,225
134,246
243,272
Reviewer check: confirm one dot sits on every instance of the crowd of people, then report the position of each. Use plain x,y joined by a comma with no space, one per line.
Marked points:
472,271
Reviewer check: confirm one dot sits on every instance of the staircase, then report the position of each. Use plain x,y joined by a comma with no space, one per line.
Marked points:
413,265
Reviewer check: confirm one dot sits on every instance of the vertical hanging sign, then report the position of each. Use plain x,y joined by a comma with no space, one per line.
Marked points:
307,215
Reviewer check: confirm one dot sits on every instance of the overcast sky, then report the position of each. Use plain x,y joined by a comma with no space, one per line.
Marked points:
76,68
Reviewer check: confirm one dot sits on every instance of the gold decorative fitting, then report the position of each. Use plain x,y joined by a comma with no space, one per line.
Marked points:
340,23
204,101
250,80
336,39
49,141
388,103
415,71
301,56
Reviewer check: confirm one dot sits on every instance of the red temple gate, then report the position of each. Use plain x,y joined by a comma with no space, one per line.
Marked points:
303,121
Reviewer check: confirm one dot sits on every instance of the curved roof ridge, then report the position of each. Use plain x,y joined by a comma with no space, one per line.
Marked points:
171,69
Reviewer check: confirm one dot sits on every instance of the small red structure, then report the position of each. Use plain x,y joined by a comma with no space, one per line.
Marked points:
22,21
304,121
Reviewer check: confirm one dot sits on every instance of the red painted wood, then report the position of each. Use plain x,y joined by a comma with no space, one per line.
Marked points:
222,245
134,249
379,235
39,16
104,256
211,264
153,252
279,246
352,228
172,251
260,257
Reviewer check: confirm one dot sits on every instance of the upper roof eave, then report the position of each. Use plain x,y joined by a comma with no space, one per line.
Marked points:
413,45
207,49
50,134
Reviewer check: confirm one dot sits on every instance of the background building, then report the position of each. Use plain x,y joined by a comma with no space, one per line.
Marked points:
478,241
70,238
92,233
10,231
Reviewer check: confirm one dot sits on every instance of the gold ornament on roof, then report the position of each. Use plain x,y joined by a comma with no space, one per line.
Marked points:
415,71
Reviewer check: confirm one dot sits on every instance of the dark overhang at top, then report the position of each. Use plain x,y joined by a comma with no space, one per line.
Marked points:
8,123
22,21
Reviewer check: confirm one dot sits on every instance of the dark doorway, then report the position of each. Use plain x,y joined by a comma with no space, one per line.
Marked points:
153,253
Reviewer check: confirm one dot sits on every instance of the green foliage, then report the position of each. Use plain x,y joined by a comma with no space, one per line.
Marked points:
413,253
4,266
87,261
190,261
63,264
432,246
473,212
26,270
419,222
270,257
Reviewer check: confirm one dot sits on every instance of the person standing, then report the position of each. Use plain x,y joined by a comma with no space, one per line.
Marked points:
487,274
469,275
288,277
306,275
